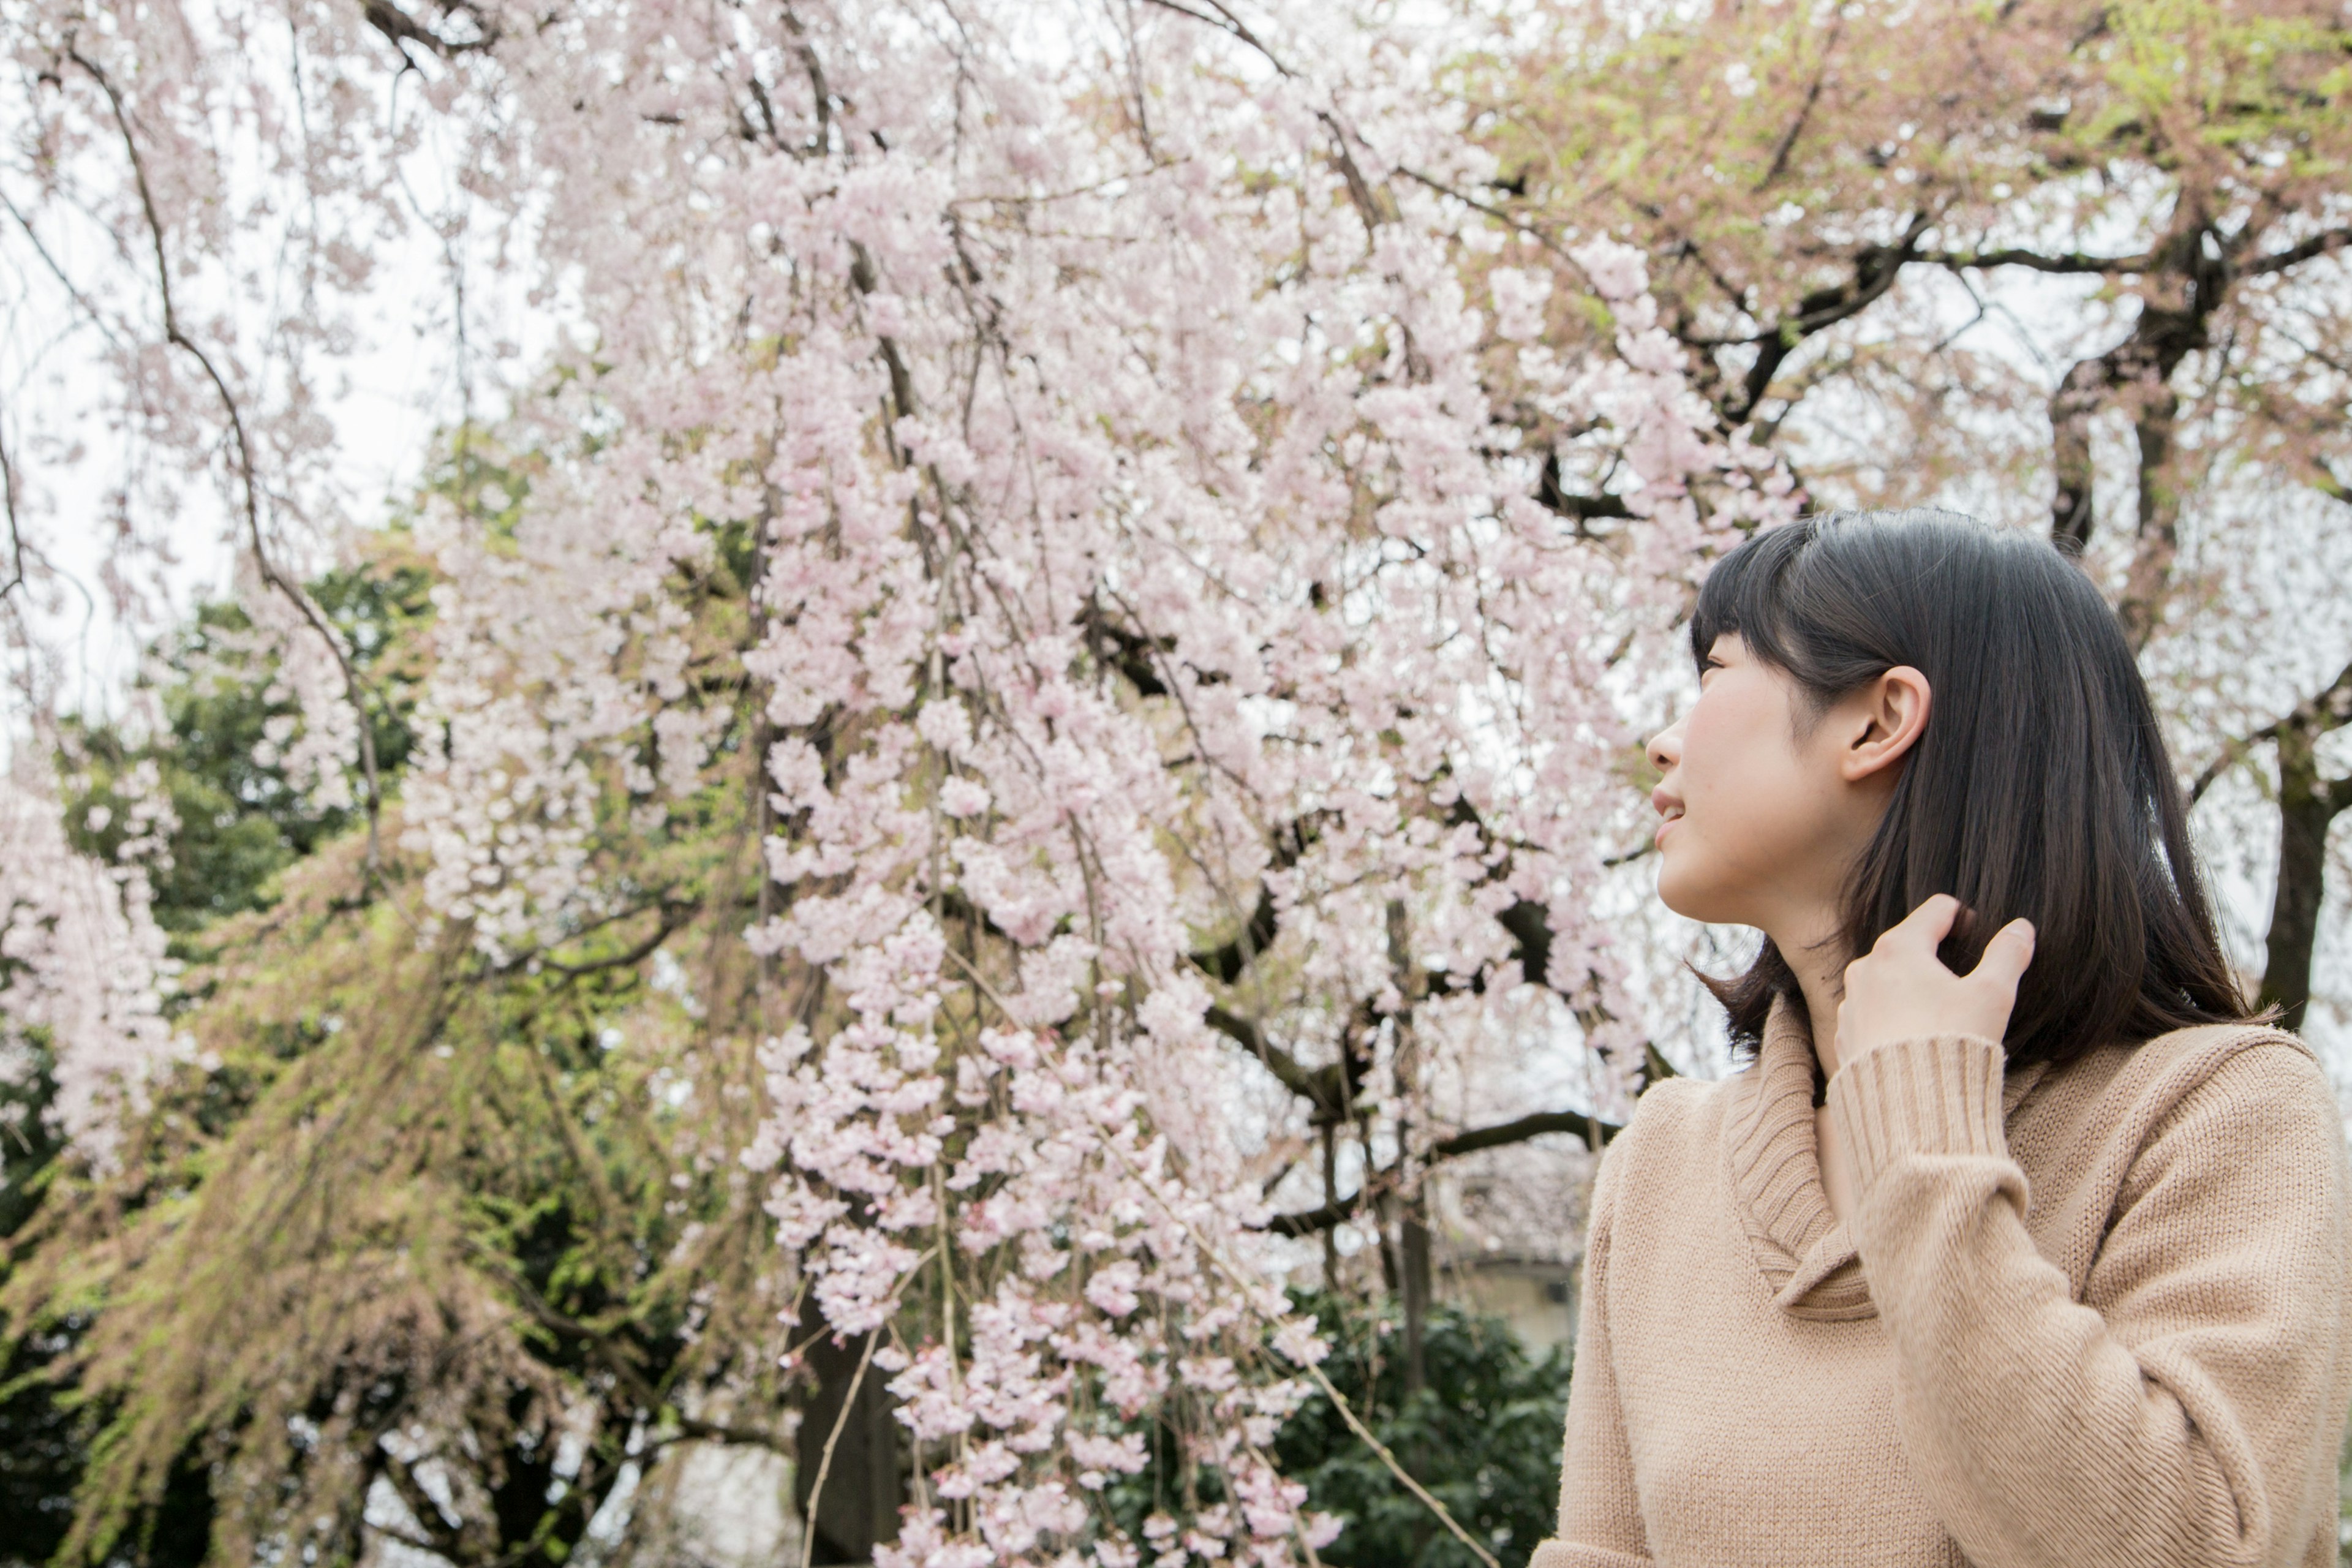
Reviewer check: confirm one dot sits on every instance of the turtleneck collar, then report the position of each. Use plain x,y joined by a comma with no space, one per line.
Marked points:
1806,1254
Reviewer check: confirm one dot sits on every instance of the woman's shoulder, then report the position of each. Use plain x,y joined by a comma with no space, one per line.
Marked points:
2212,1062
2260,1079
2229,1092
2218,1142
1670,1118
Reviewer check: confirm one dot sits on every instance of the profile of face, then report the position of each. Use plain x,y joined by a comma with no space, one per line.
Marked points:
1766,800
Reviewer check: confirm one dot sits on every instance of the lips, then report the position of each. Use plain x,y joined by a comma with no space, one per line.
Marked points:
1670,808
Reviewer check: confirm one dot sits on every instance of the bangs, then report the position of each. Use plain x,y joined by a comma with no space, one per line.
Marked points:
1746,595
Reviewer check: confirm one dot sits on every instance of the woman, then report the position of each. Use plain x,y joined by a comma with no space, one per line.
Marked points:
2019,1242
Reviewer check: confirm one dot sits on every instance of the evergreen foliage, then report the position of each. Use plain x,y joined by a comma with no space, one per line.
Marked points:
240,820
1483,1435
476,1230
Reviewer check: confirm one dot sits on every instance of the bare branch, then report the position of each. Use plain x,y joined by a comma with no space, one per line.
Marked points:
1224,21
673,918
2069,262
833,1439
16,534
2334,240
2329,708
1876,269
403,29
1227,963
1595,1132
1788,143
2325,482
1591,1128
1321,1087
355,690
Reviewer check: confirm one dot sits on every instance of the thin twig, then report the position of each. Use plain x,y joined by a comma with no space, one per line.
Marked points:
824,1465
355,690
15,535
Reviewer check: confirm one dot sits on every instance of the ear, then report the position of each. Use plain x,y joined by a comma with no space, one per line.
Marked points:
1886,718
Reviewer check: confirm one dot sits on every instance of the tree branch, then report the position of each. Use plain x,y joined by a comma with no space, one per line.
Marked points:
2335,239
1224,21
1319,1086
1553,498
2070,262
1788,143
355,690
809,1511
1227,962
1338,1211
439,1536
16,534
674,917
2329,708
1585,1125
401,28
1876,269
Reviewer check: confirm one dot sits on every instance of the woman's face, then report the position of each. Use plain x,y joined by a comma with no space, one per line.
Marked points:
1762,810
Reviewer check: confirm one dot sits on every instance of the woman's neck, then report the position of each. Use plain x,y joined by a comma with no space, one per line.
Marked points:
1819,966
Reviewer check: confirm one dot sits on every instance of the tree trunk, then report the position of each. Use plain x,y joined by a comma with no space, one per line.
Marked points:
2071,409
2308,804
2159,529
1414,1250
1392,1268
858,1508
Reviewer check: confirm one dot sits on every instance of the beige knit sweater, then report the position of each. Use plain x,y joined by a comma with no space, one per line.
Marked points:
2095,1314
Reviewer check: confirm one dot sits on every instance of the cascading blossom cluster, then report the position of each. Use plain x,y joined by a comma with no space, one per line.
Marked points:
1167,628
1144,519
81,961
561,660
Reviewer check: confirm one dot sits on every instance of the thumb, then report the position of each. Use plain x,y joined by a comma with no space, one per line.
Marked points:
2007,957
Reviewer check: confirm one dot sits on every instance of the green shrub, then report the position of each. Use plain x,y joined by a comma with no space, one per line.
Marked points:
1483,1436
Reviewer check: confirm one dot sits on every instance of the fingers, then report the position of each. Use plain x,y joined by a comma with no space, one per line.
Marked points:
1927,927
2006,957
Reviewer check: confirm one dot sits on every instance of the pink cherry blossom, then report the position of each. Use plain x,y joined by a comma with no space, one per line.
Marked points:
1137,450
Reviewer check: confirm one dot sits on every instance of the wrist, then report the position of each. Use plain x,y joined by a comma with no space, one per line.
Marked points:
1927,1094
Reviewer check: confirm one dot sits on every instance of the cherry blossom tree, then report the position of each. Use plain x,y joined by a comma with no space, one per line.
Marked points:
2077,267
83,970
1178,572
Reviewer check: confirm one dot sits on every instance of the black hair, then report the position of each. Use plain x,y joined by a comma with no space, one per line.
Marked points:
2040,786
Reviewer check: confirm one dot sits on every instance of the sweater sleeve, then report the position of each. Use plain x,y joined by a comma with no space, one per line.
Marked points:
1600,1514
2190,1414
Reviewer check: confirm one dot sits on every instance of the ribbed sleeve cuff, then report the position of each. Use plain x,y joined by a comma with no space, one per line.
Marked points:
1937,1095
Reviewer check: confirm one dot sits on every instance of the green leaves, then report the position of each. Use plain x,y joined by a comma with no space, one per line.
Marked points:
1484,1437
240,819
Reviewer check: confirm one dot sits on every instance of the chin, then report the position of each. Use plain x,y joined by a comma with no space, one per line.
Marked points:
1674,894
1689,896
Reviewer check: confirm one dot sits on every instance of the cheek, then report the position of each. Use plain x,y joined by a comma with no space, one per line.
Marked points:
1750,812
1736,760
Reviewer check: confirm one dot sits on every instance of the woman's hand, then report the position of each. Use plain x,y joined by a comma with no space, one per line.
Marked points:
1901,990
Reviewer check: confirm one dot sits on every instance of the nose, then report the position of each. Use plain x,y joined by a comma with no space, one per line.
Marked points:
1665,747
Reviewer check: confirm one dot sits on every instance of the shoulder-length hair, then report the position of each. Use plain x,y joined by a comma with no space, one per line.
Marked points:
2040,786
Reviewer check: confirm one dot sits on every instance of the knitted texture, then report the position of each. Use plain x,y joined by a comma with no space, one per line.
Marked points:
2100,1314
